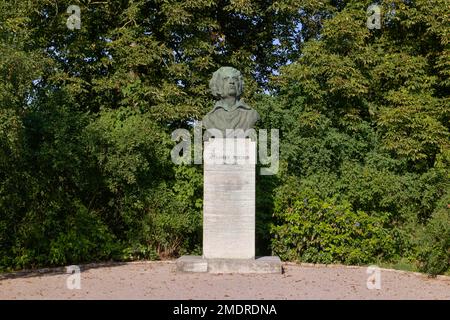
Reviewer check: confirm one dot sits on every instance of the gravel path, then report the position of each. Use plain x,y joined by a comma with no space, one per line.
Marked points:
159,280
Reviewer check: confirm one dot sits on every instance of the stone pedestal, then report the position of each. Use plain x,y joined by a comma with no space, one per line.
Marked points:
229,211
229,199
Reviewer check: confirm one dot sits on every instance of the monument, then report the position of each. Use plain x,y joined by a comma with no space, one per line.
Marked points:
229,185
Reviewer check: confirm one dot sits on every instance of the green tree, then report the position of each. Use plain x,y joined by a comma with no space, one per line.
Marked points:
366,115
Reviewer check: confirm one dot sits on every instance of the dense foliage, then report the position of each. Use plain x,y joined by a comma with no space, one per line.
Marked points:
86,118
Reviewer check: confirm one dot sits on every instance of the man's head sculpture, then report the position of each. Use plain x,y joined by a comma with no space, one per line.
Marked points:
216,84
230,111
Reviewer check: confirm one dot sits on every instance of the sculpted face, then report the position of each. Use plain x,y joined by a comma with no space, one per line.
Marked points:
230,82
226,82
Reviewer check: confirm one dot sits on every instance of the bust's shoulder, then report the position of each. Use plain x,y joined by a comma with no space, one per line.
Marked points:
216,108
212,117
253,114
207,117
253,111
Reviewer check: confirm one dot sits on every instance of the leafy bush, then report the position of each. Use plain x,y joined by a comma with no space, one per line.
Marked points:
85,238
434,241
171,222
311,229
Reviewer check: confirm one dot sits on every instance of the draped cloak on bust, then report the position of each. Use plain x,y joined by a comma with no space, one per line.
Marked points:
239,116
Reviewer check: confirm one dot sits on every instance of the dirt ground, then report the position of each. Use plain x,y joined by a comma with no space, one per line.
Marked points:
159,280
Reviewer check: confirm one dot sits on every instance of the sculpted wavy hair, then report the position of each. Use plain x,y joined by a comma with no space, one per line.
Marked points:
216,82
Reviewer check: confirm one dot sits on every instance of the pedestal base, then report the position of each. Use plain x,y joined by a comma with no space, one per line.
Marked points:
269,264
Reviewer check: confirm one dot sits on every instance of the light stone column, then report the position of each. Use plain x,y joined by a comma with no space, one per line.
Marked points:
229,199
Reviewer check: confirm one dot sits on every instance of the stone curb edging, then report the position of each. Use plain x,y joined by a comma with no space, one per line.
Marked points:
321,265
56,270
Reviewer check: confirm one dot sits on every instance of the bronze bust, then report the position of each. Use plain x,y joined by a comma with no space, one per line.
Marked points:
230,111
